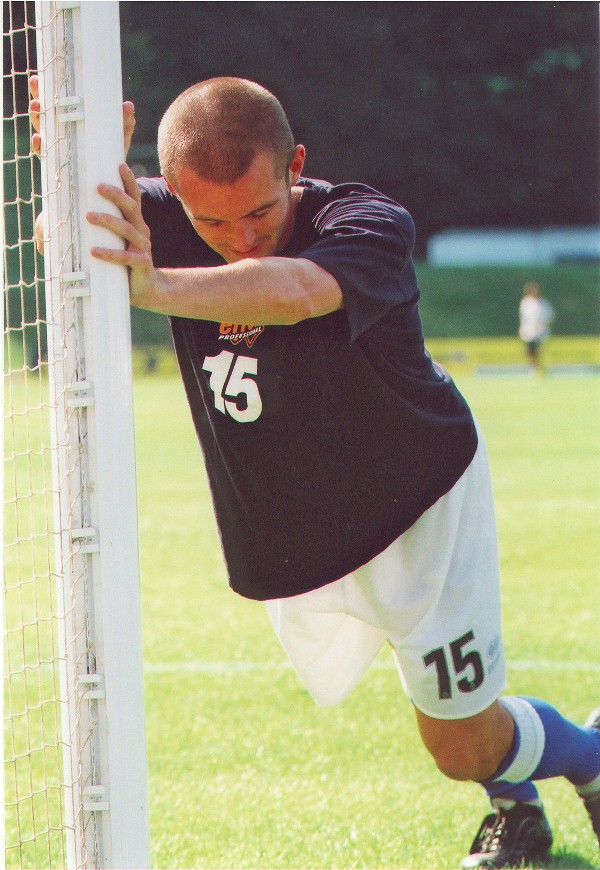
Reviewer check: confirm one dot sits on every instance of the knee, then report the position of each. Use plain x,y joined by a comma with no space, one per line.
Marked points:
468,749
464,760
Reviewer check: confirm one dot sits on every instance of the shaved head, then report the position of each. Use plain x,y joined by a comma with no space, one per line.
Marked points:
217,127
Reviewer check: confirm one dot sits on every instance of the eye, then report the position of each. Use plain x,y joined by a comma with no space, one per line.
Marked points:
260,214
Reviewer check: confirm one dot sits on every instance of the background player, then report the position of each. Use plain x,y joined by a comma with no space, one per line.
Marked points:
536,315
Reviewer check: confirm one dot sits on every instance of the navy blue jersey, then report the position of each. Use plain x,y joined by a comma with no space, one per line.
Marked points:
325,440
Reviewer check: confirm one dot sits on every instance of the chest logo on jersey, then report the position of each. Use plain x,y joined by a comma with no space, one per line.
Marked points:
235,333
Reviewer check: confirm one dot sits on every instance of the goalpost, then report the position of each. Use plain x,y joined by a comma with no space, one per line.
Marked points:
75,757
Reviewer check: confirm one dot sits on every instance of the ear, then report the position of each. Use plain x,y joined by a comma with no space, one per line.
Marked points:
172,189
297,164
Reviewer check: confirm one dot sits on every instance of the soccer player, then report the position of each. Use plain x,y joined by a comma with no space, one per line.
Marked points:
536,315
349,479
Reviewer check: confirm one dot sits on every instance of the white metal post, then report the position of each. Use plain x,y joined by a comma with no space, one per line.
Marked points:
90,357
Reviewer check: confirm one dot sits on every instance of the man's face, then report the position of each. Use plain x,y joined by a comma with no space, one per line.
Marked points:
252,217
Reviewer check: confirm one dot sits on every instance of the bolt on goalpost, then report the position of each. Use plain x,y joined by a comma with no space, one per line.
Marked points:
96,611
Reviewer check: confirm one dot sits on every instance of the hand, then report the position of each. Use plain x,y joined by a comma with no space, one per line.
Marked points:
131,227
34,116
128,124
35,109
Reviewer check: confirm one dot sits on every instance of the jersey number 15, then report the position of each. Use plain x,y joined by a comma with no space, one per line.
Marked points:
234,389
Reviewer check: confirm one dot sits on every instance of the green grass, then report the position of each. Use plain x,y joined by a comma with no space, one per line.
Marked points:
484,300
244,770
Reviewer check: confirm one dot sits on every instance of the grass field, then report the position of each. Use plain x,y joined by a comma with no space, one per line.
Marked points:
245,770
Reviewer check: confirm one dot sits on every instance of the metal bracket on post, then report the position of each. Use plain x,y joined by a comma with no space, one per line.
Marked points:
93,799
77,284
85,535
96,692
81,395
74,107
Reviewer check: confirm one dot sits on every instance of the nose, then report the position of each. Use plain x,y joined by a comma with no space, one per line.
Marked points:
244,236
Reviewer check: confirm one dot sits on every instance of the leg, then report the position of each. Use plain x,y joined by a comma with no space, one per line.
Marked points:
471,748
475,748
483,747
514,741
451,665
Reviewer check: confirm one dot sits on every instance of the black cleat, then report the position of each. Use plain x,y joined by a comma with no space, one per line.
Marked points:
592,802
592,805
510,838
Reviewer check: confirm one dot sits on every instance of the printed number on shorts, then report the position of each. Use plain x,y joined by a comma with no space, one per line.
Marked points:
460,662
234,389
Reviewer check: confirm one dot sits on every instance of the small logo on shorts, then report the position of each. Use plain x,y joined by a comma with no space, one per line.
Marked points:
493,653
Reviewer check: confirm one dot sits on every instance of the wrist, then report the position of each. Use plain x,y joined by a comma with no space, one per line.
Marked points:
147,289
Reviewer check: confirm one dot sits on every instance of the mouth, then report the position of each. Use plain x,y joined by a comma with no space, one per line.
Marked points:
252,252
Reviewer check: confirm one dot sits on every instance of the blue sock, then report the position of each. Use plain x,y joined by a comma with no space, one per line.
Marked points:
496,787
545,745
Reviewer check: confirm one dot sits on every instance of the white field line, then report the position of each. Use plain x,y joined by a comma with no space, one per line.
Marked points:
206,667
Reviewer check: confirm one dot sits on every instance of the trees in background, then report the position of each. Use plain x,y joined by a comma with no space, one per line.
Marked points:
471,114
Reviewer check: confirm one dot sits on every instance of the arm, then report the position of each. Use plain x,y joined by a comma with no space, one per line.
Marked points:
270,290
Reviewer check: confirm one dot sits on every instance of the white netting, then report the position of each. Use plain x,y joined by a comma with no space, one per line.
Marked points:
75,787
33,742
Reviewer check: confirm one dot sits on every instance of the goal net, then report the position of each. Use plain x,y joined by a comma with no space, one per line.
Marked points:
74,748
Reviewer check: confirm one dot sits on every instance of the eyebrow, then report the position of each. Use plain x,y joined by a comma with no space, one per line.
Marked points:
201,217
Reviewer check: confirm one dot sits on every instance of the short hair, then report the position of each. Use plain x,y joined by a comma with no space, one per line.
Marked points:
532,288
217,127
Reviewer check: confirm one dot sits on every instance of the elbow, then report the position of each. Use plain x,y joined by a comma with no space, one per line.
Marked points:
313,292
298,305
291,290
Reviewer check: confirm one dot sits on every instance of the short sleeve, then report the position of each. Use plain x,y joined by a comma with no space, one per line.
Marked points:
366,242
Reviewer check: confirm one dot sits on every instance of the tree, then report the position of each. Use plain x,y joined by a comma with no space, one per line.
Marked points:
479,114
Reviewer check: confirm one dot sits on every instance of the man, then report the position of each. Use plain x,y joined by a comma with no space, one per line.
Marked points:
536,315
349,480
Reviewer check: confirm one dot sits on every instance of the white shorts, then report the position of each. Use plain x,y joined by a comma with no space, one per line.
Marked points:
433,594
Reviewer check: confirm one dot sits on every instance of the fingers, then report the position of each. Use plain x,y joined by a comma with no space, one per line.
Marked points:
38,233
136,237
128,124
35,109
125,257
128,200
129,225
130,183
34,103
34,114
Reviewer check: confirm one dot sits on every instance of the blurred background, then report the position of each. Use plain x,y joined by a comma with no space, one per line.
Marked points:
470,114
475,116
480,118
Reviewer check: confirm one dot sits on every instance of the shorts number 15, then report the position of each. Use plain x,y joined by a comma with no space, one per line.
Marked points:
460,662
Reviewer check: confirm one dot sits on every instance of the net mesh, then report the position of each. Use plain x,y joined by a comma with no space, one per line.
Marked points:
33,743
59,794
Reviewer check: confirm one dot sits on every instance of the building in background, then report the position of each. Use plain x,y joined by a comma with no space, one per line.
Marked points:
547,246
